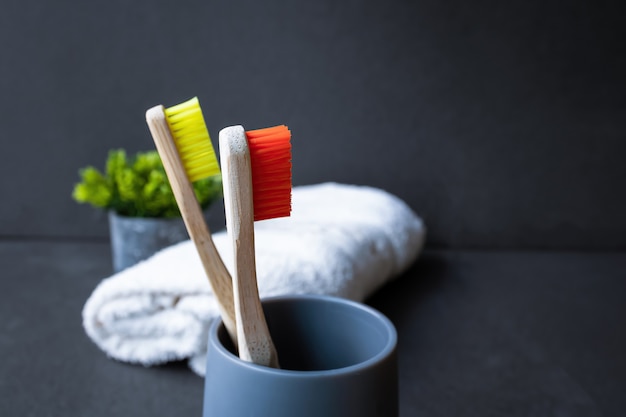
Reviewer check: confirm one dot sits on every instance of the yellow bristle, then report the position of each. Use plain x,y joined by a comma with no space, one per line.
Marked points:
192,140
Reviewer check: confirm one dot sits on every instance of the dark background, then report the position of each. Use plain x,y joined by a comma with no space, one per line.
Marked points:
503,124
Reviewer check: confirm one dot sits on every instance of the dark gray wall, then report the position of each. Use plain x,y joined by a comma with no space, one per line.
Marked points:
502,123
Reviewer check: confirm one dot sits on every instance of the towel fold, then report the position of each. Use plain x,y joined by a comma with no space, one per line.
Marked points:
341,240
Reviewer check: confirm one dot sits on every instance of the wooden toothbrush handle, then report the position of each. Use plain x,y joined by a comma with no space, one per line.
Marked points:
216,271
254,340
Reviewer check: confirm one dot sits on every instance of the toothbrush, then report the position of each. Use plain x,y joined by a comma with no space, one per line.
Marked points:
182,140
256,178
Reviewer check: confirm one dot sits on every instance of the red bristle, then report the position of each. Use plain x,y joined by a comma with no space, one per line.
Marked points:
266,131
270,160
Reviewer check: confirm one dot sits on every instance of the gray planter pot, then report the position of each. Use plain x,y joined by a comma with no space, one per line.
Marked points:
134,239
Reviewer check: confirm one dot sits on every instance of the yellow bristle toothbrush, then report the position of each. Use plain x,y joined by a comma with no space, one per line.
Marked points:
256,176
182,140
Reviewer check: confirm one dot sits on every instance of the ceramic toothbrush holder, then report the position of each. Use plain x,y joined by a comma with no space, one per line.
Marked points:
337,357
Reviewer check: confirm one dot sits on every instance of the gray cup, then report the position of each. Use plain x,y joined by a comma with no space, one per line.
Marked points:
337,357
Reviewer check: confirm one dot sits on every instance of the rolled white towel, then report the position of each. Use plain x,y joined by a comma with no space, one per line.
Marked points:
341,240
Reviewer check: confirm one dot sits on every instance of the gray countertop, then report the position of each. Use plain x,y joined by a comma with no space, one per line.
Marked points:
480,334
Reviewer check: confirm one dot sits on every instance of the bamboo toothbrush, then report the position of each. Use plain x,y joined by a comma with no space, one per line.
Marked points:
183,142
256,176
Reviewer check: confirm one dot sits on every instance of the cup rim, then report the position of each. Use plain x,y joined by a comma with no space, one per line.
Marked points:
379,357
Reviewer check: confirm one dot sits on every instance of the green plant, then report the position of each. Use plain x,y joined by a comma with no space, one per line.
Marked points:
137,186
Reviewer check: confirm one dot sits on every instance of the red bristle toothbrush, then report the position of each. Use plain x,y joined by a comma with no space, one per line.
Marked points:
183,142
256,176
